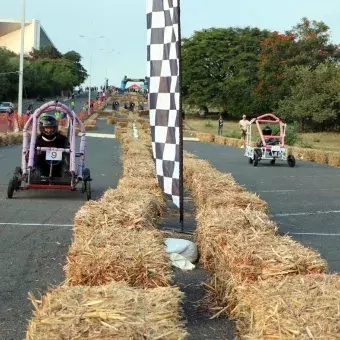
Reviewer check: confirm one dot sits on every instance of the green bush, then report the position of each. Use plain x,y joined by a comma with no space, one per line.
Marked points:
292,134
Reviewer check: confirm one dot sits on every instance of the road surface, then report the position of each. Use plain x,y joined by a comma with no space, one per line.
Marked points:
36,230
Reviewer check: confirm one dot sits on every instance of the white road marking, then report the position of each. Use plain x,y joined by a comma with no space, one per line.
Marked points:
191,139
309,213
98,135
37,224
313,234
277,191
297,190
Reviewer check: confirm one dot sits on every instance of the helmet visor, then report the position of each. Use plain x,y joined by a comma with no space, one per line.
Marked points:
49,130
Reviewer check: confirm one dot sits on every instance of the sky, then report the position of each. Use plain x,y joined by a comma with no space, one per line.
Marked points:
123,23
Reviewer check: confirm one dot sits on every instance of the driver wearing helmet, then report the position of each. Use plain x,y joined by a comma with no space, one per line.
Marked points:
50,137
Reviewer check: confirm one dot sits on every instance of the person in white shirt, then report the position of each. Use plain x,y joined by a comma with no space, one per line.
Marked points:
243,126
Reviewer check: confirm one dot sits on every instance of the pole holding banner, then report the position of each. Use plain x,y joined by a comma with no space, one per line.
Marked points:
181,207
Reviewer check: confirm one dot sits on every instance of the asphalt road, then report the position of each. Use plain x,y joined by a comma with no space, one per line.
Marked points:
36,230
304,200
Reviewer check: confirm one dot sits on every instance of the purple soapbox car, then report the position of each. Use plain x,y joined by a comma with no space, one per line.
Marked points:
25,176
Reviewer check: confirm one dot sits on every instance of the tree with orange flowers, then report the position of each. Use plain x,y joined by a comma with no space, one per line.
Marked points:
307,44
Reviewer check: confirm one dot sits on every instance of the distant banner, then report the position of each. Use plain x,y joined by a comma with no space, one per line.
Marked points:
163,47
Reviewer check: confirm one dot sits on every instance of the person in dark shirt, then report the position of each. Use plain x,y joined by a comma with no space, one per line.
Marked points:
220,126
50,137
132,106
115,106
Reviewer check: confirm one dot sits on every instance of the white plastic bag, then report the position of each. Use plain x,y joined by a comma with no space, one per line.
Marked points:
183,247
181,262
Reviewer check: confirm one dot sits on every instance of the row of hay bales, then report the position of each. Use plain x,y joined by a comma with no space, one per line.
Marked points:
12,138
313,155
118,274
129,97
144,124
274,287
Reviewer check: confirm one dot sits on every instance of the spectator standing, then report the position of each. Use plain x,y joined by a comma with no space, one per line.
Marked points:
243,126
220,126
10,119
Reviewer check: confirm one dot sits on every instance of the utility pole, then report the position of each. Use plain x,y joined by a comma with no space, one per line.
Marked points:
22,49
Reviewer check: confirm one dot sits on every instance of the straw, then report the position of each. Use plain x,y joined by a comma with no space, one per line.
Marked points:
205,137
300,307
114,311
125,208
217,188
334,159
220,140
115,254
11,138
237,241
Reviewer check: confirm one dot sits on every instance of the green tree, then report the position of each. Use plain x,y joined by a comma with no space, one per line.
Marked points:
46,72
220,69
6,62
315,97
46,52
65,75
80,70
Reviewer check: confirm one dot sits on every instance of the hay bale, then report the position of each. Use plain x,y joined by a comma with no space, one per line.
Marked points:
212,222
12,138
221,184
303,153
220,140
113,237
249,247
114,311
234,142
238,253
116,254
146,126
321,156
5,139
334,159
237,241
205,137
144,167
124,208
300,307
149,185
122,124
236,199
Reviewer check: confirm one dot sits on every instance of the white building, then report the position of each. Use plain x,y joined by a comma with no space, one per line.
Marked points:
35,35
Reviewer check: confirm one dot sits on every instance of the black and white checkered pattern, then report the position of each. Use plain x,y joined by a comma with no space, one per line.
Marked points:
164,93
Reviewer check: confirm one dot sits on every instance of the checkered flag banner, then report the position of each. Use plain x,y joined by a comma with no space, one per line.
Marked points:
163,48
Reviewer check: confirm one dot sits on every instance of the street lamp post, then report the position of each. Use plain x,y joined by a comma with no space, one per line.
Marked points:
102,49
91,45
22,48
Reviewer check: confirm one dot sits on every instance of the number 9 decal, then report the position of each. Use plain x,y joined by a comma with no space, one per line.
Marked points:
53,154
